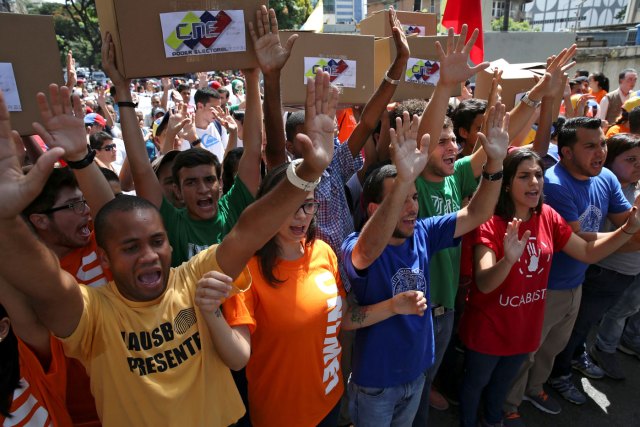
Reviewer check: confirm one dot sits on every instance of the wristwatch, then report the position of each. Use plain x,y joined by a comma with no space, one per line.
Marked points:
86,161
297,181
530,102
497,176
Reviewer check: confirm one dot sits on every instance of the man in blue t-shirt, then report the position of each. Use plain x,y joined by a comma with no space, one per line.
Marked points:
391,255
585,194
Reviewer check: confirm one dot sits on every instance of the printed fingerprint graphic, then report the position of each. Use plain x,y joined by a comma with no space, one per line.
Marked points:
184,320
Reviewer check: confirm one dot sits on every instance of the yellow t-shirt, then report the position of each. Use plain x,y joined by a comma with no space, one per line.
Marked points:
154,363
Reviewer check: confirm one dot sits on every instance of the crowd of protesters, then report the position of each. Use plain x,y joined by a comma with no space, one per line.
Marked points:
185,252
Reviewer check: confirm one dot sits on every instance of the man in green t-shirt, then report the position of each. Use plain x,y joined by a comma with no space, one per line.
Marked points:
206,217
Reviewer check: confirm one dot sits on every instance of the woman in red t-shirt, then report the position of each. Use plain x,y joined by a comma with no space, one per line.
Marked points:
502,321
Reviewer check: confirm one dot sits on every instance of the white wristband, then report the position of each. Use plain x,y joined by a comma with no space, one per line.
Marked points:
390,80
297,181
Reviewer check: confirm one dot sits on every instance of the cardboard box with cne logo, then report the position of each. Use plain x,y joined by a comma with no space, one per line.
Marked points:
414,23
172,37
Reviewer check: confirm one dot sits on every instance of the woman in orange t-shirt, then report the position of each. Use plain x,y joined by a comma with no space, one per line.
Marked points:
599,86
33,382
294,310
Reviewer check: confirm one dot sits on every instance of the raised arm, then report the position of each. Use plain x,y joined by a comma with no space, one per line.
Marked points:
490,274
27,264
271,57
72,78
63,126
495,144
249,165
254,228
409,162
145,180
454,69
378,102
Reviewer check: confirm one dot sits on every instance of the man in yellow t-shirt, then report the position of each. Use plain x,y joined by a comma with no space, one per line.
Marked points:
154,358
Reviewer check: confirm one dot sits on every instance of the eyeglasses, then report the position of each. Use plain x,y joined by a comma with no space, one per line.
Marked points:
310,207
78,207
109,147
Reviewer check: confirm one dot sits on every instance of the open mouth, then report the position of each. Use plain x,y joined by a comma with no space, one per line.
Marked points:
297,231
205,203
150,279
597,165
449,161
84,231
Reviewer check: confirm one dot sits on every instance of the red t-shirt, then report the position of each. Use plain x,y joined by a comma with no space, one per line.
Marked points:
508,320
40,399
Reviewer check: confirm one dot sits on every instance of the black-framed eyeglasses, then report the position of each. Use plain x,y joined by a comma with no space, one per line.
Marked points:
108,147
310,207
79,207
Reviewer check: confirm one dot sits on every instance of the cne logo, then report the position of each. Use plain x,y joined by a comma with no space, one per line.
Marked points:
422,71
413,30
204,30
333,67
342,72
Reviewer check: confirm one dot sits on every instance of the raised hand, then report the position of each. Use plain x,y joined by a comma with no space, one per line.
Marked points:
319,122
109,63
212,290
496,141
177,122
225,119
557,65
409,302
399,36
409,160
62,123
17,190
454,67
203,79
513,247
270,53
72,78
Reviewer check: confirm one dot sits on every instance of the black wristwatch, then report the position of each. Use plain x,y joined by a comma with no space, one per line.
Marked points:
81,164
196,142
492,176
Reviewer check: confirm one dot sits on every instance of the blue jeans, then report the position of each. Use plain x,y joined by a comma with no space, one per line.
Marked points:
442,330
491,374
601,289
390,406
612,327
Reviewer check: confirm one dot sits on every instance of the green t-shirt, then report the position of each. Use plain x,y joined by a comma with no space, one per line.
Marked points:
188,236
441,198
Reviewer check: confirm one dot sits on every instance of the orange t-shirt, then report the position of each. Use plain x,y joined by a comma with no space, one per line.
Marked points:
616,129
294,371
599,95
84,265
40,400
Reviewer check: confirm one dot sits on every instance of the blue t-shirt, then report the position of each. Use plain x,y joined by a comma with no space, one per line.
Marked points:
397,350
588,202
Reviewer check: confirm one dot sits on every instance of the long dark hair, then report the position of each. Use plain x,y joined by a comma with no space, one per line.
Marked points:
619,144
9,368
268,254
505,207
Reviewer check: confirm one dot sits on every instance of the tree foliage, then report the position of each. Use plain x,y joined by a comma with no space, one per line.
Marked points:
496,25
291,13
76,26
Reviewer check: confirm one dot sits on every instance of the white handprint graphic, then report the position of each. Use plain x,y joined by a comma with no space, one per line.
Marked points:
534,256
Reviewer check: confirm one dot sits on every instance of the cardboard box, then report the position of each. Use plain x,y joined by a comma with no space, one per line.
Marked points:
414,23
516,80
422,71
27,65
169,37
348,57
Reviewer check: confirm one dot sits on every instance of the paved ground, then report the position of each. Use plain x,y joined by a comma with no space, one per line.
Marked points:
611,403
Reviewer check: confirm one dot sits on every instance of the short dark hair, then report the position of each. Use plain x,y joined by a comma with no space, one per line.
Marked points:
373,188
98,139
110,175
465,113
192,158
203,95
624,72
224,90
618,144
59,179
123,203
182,87
412,106
505,207
229,166
269,253
294,120
634,120
568,135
